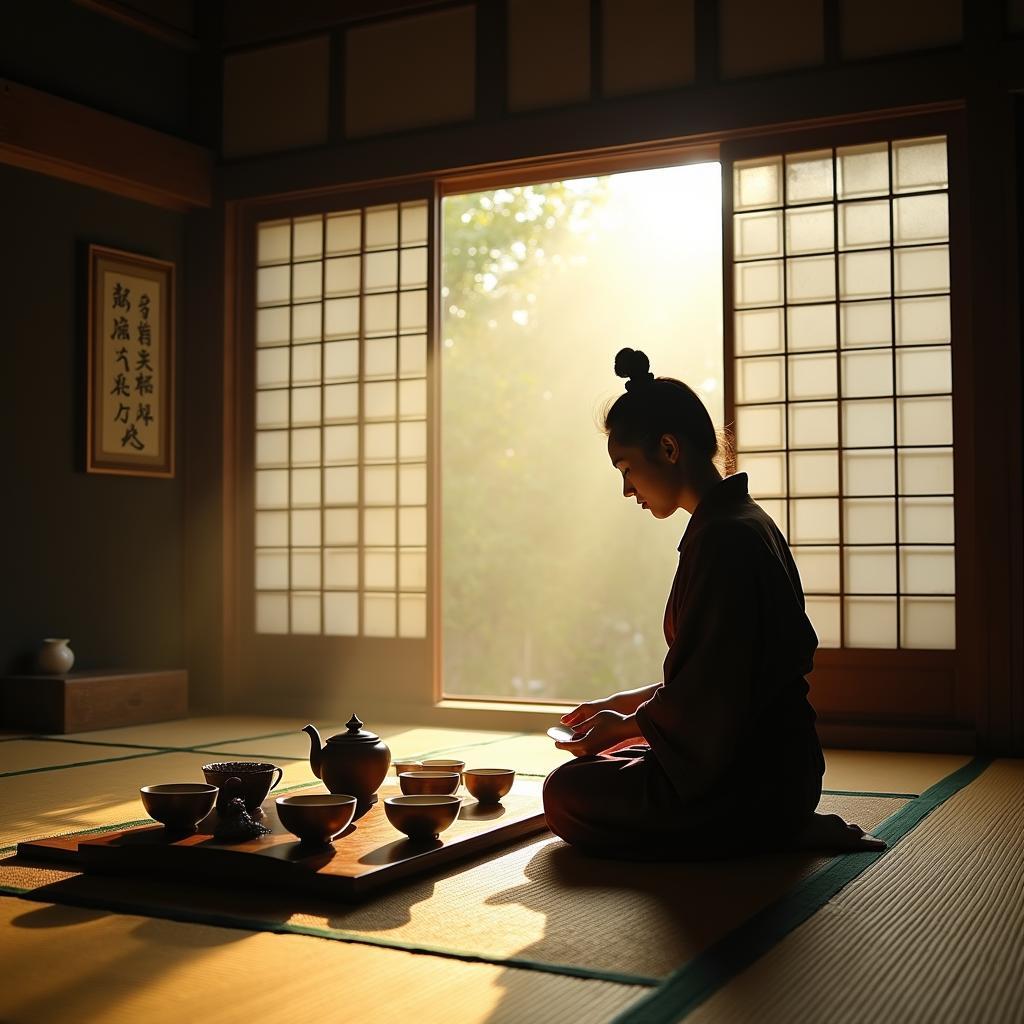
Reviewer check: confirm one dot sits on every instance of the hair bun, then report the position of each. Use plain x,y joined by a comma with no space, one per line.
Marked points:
635,365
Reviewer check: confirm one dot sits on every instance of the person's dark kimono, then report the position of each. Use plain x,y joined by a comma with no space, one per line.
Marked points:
731,762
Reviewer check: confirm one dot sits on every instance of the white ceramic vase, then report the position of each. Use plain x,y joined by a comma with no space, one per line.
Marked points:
55,657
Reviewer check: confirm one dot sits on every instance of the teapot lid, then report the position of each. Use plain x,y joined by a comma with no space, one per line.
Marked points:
355,733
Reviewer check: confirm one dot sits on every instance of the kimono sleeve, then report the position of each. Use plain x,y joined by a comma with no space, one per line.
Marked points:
696,722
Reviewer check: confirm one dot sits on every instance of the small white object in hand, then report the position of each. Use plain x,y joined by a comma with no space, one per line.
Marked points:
563,733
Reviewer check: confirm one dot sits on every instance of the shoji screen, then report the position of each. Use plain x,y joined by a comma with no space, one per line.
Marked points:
340,421
842,383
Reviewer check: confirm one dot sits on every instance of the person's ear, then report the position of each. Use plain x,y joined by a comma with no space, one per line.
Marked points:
670,448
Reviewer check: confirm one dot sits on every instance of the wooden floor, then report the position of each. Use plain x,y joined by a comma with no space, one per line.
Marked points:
930,930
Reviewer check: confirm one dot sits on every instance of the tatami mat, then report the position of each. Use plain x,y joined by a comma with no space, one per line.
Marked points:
544,901
896,942
930,932
886,771
420,741
282,737
123,968
193,732
405,742
33,755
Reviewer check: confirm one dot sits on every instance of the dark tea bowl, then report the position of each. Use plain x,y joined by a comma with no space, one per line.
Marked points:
433,782
422,816
488,785
179,806
316,817
251,780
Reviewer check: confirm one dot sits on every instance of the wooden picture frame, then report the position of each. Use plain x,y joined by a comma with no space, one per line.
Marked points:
130,419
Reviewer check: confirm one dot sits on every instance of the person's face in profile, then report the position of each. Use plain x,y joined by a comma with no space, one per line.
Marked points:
653,482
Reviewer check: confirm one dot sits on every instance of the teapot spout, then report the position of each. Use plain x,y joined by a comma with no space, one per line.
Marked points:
315,749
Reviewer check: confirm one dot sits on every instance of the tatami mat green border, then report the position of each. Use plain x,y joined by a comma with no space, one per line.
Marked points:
858,792
97,743
160,747
706,973
84,764
144,751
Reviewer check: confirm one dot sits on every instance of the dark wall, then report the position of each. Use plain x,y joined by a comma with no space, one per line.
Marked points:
70,51
1018,109
93,557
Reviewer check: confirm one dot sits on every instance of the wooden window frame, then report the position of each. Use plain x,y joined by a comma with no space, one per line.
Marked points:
861,695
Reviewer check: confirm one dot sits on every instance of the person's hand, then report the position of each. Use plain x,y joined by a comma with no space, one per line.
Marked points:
624,703
604,731
587,710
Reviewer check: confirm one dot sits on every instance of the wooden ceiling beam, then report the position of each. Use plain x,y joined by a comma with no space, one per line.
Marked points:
173,35
50,135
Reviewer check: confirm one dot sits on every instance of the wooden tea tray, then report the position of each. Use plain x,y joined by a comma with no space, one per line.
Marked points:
367,856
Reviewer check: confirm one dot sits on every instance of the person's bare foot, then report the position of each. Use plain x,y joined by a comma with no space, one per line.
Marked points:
830,833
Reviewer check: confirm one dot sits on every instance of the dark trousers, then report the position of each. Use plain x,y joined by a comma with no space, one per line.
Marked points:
624,806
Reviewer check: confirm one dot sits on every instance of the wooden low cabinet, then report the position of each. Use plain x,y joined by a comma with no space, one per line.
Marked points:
86,700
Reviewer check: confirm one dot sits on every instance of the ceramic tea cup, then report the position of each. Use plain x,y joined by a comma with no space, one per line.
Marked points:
406,766
251,780
438,783
316,817
488,785
180,806
444,764
422,816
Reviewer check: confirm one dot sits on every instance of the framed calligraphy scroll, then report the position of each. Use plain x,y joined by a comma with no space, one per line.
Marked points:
131,364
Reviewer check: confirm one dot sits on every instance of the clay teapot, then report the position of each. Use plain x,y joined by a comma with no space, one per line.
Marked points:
353,762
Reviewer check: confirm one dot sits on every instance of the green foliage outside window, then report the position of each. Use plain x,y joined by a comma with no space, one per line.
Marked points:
553,585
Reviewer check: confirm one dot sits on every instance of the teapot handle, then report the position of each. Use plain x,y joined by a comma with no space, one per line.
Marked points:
277,781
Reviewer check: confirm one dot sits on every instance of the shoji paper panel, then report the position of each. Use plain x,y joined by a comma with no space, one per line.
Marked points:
843,380
341,406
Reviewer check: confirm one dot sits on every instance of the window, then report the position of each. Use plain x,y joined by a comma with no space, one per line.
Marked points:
340,421
553,587
826,345
842,381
